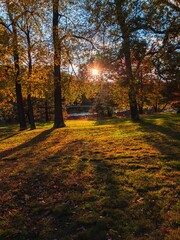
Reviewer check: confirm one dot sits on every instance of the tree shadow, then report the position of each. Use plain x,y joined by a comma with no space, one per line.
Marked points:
9,136
8,132
111,121
74,195
33,142
164,138
46,195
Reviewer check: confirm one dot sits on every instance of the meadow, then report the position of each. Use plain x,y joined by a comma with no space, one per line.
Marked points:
92,180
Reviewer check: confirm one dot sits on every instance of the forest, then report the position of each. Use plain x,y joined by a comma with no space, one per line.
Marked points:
110,55
89,119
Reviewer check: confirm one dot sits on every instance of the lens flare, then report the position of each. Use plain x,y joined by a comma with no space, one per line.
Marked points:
95,71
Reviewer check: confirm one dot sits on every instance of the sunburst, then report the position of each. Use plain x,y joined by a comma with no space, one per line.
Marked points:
95,71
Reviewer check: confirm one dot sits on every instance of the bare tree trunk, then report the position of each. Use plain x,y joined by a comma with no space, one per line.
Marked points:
127,53
58,111
29,101
131,80
18,89
20,105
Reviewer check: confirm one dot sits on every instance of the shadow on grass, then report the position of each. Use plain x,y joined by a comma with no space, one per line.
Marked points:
105,217
34,141
8,131
69,196
78,198
9,136
165,138
46,195
111,121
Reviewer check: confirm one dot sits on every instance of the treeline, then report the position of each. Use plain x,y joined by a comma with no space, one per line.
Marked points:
47,49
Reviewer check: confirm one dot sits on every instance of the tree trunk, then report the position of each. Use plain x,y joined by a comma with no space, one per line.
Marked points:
140,97
29,101
128,63
46,111
58,111
156,105
141,109
30,112
20,105
131,80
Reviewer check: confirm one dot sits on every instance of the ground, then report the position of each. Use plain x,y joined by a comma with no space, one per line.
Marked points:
92,180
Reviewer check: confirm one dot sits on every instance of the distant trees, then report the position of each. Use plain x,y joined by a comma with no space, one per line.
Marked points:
120,25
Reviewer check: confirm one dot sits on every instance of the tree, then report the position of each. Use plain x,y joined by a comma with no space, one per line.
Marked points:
13,15
58,110
7,97
165,54
119,24
25,25
122,19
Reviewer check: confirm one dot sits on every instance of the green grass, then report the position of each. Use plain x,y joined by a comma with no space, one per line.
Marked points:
110,179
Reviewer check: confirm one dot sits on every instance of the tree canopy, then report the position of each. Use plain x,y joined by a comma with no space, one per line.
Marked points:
49,49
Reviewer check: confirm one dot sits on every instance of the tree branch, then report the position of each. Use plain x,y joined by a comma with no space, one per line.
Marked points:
86,39
5,25
174,6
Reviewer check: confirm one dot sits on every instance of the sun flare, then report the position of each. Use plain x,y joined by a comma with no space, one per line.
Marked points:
95,71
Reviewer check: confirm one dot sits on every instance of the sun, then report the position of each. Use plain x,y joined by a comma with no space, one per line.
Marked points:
94,71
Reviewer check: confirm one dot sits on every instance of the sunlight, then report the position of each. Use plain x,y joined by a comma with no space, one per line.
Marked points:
94,71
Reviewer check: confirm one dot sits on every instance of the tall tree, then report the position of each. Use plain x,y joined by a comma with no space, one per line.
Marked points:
31,26
122,19
13,16
119,27
26,25
58,110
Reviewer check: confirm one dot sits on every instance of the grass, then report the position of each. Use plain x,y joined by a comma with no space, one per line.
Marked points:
104,180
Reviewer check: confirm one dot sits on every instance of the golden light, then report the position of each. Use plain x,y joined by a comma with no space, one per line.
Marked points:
94,71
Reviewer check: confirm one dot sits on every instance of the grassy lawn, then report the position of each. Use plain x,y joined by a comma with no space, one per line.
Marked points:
93,180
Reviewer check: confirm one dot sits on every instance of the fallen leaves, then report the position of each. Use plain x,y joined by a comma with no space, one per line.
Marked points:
111,178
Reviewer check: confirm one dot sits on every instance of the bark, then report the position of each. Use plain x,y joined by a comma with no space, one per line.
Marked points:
20,105
58,111
141,109
30,112
141,98
46,111
127,53
155,106
29,101
131,80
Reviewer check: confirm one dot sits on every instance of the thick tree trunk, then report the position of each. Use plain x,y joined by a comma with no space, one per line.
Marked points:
29,101
155,106
58,111
133,104
131,80
20,105
127,53
141,110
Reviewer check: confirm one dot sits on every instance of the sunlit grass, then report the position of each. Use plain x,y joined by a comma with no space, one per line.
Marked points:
109,179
